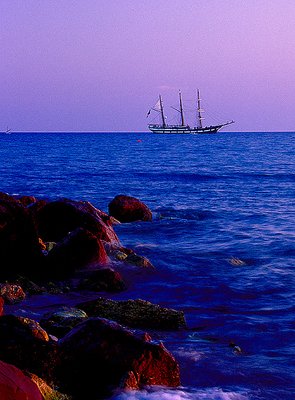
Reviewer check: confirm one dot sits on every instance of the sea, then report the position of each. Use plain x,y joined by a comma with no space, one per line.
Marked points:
222,240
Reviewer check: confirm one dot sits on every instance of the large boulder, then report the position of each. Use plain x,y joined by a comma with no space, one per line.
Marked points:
77,250
98,356
26,345
20,251
57,218
135,313
15,385
129,209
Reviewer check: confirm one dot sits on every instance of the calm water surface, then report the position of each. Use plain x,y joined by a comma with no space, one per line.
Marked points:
215,199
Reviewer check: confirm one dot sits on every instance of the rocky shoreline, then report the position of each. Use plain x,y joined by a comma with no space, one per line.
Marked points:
98,346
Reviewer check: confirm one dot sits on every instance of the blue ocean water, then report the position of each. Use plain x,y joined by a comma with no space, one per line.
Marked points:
221,239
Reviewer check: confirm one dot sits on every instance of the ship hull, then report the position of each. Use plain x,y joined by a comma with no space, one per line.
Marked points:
182,130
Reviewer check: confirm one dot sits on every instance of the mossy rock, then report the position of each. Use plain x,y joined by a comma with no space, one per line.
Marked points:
135,313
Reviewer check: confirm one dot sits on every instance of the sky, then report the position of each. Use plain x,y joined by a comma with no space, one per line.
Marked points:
100,65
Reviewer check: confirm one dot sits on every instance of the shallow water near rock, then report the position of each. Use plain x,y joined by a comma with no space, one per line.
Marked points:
221,239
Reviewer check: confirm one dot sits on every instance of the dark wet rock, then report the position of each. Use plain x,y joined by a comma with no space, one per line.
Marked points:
29,286
236,262
120,253
139,261
103,279
58,287
235,348
35,208
113,249
135,313
26,200
1,306
15,385
26,345
20,250
129,209
98,356
49,246
11,293
56,219
8,197
62,320
77,250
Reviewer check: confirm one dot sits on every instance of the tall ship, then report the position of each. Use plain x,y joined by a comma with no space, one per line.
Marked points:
183,128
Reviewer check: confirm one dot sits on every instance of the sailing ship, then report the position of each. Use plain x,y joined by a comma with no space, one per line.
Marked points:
183,128
8,131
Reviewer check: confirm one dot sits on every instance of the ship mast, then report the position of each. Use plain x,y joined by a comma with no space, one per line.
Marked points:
162,112
199,110
181,109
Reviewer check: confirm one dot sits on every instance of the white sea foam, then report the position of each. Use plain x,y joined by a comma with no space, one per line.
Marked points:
190,354
180,394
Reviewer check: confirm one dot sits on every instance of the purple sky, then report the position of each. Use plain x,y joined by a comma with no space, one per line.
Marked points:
99,65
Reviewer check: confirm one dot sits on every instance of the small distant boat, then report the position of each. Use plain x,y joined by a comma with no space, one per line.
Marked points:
183,128
8,131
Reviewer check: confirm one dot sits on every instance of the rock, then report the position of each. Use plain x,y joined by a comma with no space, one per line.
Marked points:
29,286
61,321
139,261
11,293
236,262
57,287
26,200
98,356
103,279
15,385
48,393
1,306
129,209
20,251
26,345
120,253
135,313
49,246
8,197
77,250
56,219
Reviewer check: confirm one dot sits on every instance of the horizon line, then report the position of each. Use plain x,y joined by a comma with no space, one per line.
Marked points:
131,131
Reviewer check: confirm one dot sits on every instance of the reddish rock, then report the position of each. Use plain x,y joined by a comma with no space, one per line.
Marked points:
8,197
36,207
98,356
103,279
20,251
129,209
26,200
77,250
11,293
15,385
1,305
26,345
56,219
